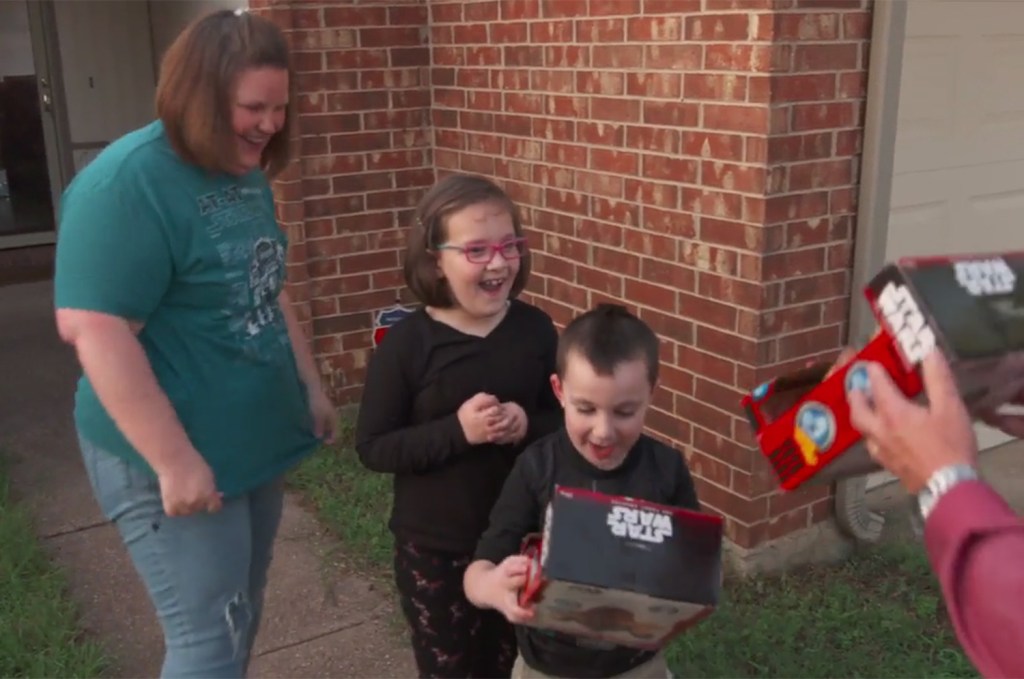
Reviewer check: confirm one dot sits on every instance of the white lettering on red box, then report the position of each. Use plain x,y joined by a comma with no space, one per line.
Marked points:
985,276
640,524
906,322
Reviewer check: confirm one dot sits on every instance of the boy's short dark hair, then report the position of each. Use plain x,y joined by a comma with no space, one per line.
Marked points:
451,194
606,336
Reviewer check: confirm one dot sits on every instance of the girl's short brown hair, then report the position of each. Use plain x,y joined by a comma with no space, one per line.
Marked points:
451,194
198,74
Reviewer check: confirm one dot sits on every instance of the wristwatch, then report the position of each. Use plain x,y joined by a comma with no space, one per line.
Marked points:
940,483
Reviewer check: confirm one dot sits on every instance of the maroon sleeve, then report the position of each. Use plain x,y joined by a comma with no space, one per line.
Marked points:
976,545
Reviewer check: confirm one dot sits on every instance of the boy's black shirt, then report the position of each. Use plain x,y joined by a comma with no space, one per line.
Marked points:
651,471
419,376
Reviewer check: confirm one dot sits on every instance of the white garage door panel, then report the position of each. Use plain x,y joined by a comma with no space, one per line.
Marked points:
961,93
975,208
958,182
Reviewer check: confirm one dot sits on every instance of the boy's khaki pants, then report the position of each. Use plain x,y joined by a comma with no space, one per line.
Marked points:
655,668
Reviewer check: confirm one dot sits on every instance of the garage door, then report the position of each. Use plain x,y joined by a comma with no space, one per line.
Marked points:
958,181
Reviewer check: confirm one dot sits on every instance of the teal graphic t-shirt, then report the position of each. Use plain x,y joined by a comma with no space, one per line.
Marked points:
198,258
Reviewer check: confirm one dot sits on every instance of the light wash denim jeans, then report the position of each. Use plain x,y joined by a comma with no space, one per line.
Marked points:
205,573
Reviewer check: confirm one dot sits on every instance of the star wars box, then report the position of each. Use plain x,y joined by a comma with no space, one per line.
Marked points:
970,307
621,570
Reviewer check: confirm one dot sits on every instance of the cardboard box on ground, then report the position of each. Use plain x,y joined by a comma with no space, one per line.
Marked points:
622,570
970,307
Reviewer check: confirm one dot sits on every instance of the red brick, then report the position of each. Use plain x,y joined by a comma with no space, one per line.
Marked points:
857,26
508,33
820,174
671,6
852,85
597,133
718,86
656,85
823,116
470,33
814,87
681,170
390,37
673,57
599,184
617,56
660,140
718,27
654,296
825,57
567,56
732,177
563,8
714,203
611,235
519,9
752,119
720,5
668,222
600,82
807,26
339,60
712,145
599,30
477,10
670,113
345,17
618,7
654,29
615,211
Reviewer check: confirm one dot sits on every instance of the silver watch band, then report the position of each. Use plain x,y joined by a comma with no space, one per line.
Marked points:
940,483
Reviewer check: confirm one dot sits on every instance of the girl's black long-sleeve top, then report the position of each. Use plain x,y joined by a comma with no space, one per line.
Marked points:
419,376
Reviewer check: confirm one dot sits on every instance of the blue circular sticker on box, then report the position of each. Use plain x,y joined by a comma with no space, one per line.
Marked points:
857,378
815,428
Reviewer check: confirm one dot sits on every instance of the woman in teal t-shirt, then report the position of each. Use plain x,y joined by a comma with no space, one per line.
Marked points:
199,388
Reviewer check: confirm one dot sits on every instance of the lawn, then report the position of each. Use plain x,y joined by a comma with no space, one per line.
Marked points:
877,615
39,633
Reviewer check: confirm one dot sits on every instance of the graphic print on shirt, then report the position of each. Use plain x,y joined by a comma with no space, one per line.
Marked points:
243,231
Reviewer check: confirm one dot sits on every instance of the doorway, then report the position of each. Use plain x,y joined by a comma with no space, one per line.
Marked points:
74,76
30,168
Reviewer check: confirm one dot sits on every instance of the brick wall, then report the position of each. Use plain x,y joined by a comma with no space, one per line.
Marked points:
365,157
694,158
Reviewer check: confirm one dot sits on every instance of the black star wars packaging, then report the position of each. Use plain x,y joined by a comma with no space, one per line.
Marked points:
969,307
621,570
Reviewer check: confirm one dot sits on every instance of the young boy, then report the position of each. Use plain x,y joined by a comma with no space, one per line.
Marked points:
607,367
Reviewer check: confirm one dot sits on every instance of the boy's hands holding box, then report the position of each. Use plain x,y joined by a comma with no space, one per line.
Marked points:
497,586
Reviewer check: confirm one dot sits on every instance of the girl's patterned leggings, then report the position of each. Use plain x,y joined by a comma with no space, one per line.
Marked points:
450,636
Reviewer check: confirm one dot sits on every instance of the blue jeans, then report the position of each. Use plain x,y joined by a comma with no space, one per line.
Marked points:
205,573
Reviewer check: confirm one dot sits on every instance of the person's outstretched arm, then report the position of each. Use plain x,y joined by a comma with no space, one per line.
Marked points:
974,539
976,546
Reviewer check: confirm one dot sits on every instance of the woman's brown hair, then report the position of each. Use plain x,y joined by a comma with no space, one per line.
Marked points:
451,194
194,95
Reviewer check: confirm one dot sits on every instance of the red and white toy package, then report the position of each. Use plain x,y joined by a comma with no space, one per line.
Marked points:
969,307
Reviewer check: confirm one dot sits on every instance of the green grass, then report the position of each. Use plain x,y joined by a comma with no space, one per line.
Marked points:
351,501
877,615
39,633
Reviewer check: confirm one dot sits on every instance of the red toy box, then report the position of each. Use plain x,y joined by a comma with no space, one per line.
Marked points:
969,307
622,570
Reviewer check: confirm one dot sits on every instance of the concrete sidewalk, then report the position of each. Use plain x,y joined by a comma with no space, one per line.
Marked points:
320,620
